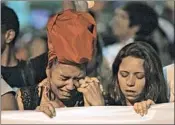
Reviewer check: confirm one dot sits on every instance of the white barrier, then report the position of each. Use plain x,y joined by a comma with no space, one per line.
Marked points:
158,114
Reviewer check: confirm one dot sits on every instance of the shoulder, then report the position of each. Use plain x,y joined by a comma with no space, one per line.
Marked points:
169,76
168,67
169,72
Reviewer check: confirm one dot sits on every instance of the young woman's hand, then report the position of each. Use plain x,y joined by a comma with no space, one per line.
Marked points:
48,109
142,107
47,106
92,92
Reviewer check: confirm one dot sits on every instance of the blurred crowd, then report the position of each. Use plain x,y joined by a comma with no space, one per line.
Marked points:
32,39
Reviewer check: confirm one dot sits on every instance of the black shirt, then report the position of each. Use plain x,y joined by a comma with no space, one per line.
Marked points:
26,73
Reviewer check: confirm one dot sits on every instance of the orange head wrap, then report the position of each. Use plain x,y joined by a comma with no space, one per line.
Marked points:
71,37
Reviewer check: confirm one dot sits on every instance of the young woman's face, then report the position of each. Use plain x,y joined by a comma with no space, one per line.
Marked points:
131,78
65,79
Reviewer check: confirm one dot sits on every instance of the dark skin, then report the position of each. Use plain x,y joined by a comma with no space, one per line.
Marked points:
65,78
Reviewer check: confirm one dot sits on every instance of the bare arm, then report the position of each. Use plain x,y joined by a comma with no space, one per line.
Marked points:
76,5
8,102
68,5
81,5
19,100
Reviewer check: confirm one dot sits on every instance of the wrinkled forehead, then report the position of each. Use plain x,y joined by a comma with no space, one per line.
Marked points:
70,70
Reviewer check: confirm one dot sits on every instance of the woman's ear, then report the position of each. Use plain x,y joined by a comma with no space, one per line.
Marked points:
9,36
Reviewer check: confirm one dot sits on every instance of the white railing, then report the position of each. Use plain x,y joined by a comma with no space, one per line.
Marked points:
157,114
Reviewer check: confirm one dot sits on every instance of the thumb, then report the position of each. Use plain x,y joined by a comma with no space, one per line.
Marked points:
149,102
82,90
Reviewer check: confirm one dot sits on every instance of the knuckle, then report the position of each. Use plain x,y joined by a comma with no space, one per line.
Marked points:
140,107
86,90
81,81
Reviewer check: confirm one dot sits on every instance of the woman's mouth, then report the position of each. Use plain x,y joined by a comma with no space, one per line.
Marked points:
130,92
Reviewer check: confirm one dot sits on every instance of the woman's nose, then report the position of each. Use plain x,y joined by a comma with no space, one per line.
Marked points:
70,84
130,81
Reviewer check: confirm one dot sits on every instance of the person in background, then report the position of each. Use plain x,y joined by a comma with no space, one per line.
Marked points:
169,76
38,46
138,78
17,73
8,101
133,21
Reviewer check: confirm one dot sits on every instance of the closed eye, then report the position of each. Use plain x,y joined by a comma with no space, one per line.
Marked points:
140,75
124,73
64,78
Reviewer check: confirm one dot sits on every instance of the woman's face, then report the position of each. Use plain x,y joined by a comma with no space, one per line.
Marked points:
65,79
131,78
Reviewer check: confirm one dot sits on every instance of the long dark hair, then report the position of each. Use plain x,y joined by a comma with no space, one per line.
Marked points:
155,87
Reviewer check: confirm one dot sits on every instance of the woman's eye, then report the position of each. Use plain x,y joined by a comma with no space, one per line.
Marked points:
64,79
140,76
124,74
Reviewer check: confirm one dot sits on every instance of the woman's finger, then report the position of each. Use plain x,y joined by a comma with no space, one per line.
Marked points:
95,79
82,90
84,85
45,109
149,102
52,109
87,79
140,109
136,107
81,81
144,106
